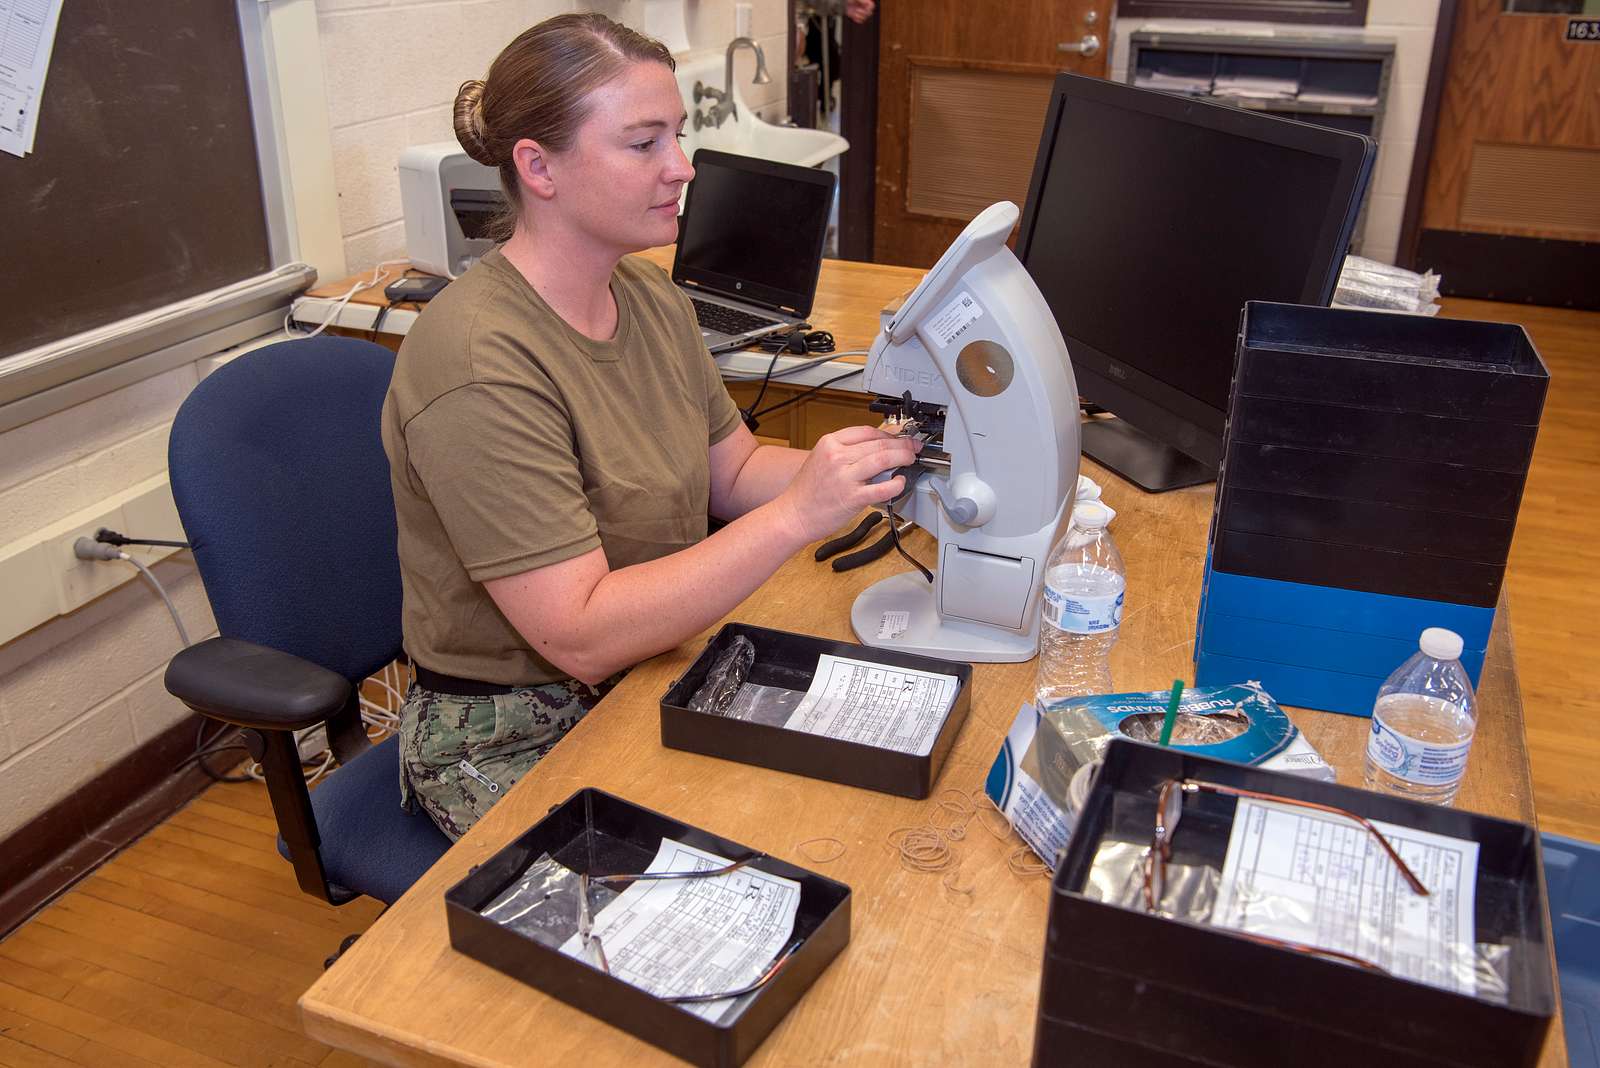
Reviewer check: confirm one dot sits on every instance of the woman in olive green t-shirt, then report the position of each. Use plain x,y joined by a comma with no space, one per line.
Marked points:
557,431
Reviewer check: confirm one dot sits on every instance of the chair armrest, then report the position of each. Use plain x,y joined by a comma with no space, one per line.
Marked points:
254,686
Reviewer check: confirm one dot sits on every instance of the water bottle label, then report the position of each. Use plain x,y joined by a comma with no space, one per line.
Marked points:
1416,761
1078,614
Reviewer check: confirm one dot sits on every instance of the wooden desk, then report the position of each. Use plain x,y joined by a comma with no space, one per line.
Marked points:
849,297
931,976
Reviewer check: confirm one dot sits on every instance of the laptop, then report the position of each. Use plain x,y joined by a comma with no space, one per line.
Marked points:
750,245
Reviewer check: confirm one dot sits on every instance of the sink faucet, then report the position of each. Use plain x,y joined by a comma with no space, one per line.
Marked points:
722,106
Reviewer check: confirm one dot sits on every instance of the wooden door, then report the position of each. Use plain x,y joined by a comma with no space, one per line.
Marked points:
1512,202
962,93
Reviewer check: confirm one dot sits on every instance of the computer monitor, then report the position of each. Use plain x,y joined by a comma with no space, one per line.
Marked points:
1151,219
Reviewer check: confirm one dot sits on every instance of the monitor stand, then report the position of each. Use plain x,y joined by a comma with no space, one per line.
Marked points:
1141,459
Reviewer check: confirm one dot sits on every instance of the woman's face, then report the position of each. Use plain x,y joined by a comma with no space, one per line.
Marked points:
620,180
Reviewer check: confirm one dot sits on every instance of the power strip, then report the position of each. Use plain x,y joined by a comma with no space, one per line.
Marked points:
312,742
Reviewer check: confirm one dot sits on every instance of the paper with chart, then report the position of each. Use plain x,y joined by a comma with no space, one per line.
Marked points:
1321,880
875,704
27,34
695,936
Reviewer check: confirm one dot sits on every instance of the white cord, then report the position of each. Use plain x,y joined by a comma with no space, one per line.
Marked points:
794,368
380,273
162,590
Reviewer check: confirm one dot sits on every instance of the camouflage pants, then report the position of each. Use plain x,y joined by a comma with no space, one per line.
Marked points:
459,755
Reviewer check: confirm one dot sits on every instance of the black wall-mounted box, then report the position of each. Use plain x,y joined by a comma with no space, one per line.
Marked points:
599,833
1121,986
790,661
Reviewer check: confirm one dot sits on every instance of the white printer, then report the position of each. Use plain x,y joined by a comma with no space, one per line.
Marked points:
448,200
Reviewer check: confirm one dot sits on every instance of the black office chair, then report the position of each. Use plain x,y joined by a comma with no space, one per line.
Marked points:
280,479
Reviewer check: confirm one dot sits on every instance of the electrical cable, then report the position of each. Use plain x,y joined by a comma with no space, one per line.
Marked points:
377,322
162,590
894,533
747,413
792,369
380,273
107,536
802,396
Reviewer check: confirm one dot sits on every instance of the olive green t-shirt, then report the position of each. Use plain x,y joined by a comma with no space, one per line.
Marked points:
515,442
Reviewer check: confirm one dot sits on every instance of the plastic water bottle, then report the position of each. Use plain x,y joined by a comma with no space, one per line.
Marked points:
1084,583
1422,723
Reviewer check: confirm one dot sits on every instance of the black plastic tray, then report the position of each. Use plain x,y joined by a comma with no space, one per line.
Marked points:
1154,991
1378,433
790,660
1394,527
1457,368
1340,476
1319,563
599,833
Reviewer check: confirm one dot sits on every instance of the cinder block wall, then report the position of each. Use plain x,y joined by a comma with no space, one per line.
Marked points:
393,66
1410,23
82,691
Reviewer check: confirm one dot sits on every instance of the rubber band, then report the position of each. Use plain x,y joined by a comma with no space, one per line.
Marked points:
811,854
1024,864
1000,831
922,849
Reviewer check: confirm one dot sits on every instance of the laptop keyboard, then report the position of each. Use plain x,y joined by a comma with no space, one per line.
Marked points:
728,320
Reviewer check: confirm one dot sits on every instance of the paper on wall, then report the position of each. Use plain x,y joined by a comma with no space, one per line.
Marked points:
27,36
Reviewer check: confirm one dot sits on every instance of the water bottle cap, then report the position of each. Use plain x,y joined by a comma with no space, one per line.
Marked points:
1441,644
1088,489
1091,515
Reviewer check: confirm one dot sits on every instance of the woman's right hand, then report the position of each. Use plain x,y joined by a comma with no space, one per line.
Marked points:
832,485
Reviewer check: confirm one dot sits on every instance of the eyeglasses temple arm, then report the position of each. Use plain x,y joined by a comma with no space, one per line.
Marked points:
1236,791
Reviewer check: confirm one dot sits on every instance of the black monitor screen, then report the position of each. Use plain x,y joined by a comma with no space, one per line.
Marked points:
764,230
1161,232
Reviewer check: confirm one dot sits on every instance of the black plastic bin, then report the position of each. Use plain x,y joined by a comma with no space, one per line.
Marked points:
790,660
1377,452
599,833
1121,986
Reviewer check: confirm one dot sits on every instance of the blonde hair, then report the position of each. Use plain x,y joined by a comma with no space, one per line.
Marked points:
538,87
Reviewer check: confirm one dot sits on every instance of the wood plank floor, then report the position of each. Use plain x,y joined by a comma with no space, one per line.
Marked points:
1554,577
191,947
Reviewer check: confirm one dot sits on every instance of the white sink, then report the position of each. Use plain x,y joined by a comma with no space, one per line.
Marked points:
748,135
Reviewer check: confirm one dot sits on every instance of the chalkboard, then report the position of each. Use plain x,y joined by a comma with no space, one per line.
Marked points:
144,185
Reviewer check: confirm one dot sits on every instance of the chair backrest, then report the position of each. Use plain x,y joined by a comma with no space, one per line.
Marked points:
281,482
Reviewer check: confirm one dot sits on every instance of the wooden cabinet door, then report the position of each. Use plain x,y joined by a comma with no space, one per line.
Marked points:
962,93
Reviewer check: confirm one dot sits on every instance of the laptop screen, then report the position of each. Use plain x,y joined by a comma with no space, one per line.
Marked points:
753,230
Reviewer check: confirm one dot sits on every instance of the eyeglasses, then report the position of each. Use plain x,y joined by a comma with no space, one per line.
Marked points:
594,950
1169,810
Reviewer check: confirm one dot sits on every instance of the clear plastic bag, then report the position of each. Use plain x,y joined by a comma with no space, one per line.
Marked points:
1375,286
727,674
543,902
772,705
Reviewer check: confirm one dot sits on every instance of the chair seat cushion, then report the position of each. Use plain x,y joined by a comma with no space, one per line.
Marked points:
380,849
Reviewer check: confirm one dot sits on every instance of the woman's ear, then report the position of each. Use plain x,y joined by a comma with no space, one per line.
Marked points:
533,168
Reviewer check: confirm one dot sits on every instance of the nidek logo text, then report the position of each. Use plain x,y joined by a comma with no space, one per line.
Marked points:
911,376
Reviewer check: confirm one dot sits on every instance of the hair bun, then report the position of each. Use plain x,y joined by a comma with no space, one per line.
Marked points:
468,121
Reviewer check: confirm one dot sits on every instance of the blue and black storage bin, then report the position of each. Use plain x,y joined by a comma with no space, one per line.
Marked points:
1372,471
